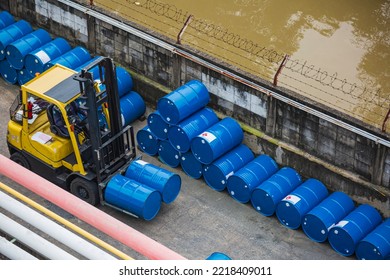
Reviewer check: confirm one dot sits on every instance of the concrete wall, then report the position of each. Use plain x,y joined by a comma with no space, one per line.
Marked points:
317,148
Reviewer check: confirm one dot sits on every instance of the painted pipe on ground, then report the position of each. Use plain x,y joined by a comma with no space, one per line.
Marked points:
65,222
33,240
13,252
51,228
86,212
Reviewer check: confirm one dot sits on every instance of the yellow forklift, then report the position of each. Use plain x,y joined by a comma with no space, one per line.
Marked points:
57,129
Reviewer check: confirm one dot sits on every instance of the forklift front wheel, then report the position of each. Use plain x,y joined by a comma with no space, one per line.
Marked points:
20,159
85,190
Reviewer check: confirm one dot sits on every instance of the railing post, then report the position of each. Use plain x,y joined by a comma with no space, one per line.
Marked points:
187,22
385,120
280,69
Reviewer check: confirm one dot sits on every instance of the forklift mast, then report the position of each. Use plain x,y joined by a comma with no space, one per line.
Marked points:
111,148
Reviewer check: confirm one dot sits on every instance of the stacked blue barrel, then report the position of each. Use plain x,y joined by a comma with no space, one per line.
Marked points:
142,188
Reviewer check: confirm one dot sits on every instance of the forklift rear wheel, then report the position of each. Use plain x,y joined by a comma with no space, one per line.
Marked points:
20,159
85,190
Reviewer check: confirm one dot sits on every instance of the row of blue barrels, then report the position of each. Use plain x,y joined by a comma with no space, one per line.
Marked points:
24,56
142,188
270,189
25,52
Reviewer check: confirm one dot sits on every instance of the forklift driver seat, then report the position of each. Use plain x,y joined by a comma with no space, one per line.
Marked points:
57,123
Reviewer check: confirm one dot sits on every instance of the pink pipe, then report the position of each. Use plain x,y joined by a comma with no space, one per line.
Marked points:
86,212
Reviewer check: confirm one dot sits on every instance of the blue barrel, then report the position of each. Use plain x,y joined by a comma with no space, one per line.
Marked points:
133,197
183,101
266,197
317,222
217,140
35,61
24,76
291,209
345,235
157,125
123,77
17,51
8,72
160,179
181,134
217,173
376,244
147,142
71,59
191,166
124,80
241,184
168,154
94,70
12,33
132,107
218,256
6,19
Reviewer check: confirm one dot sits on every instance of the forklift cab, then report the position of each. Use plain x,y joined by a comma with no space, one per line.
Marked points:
55,130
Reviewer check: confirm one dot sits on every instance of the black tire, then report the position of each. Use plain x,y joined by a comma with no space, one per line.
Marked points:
21,160
85,190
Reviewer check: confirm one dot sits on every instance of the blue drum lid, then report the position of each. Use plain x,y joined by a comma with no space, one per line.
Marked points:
191,166
215,178
8,72
288,214
315,228
158,126
169,155
147,142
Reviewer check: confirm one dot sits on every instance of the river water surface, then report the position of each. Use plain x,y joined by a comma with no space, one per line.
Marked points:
339,50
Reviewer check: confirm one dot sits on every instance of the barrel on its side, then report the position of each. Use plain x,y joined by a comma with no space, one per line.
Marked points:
376,244
71,59
12,33
24,76
217,140
94,71
124,80
35,61
265,197
317,222
218,172
8,73
181,134
133,197
218,256
157,125
147,142
345,235
241,184
190,165
6,19
291,209
183,101
168,154
132,107
17,51
160,179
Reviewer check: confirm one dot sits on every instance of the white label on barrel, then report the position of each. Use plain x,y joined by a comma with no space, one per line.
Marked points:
208,136
43,56
140,161
293,199
342,223
230,174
